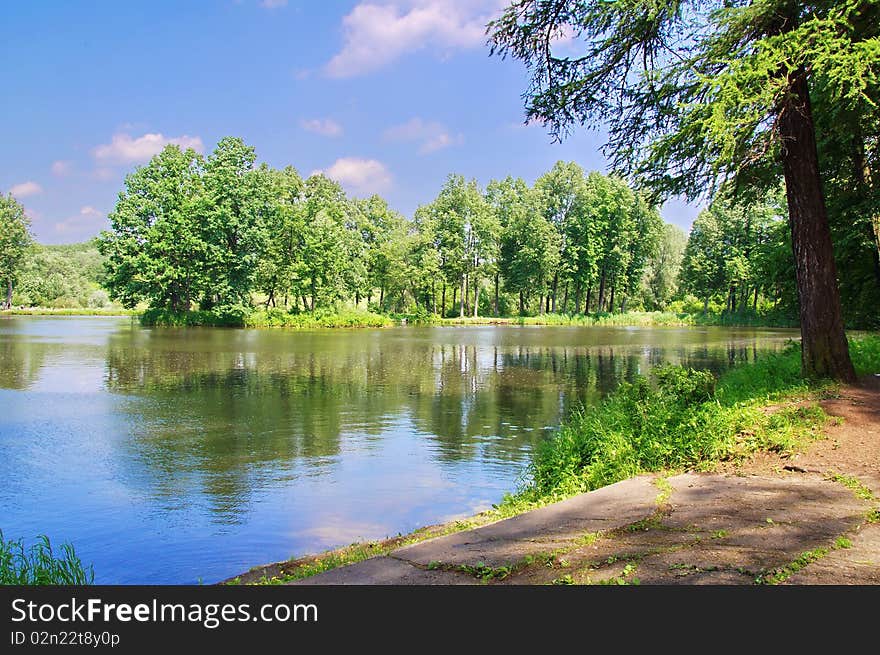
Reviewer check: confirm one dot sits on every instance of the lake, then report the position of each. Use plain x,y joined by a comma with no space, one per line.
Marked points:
173,456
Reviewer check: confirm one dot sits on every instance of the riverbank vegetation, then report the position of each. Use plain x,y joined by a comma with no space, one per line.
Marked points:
40,564
683,418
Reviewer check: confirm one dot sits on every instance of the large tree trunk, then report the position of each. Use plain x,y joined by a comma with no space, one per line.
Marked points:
522,304
824,350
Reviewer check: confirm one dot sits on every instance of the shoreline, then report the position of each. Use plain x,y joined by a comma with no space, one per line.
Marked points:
361,319
828,462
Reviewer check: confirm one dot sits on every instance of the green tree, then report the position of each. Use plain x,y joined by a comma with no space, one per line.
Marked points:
229,215
154,248
643,244
466,235
529,244
660,282
281,218
702,268
691,91
324,273
15,239
561,190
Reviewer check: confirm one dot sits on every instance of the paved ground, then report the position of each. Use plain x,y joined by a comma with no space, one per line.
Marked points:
794,521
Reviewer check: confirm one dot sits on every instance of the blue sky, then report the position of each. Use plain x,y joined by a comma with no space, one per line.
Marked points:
387,96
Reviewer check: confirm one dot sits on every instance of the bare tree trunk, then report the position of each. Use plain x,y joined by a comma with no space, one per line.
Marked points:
611,302
461,300
476,296
824,349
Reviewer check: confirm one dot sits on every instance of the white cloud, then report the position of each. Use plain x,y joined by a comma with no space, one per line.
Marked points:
359,176
61,168
104,174
123,149
273,4
88,222
322,126
26,189
432,136
377,33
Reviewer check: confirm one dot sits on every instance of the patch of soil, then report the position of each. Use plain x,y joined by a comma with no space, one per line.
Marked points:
851,446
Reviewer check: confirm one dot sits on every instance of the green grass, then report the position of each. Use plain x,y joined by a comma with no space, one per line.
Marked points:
239,316
69,311
346,318
680,419
783,573
632,318
39,564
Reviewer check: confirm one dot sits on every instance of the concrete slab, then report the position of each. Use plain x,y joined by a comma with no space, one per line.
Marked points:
386,571
859,564
541,530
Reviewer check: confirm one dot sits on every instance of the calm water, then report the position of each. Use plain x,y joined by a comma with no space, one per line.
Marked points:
173,456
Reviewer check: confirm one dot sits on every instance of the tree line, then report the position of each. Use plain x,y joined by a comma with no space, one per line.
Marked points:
216,231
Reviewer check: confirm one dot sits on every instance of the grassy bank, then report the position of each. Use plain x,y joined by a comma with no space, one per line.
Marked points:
264,318
644,319
240,316
678,419
683,419
69,311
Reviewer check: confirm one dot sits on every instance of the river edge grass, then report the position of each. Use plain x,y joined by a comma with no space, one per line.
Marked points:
241,317
69,311
682,420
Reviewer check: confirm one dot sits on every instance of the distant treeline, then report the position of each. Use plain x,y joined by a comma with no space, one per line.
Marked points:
217,232
63,277
213,240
